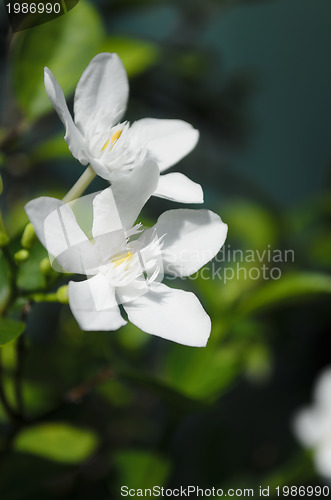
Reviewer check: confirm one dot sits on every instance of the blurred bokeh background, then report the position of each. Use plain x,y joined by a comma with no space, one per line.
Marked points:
107,409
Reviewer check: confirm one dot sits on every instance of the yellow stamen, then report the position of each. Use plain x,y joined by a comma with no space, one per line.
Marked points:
120,258
116,135
105,146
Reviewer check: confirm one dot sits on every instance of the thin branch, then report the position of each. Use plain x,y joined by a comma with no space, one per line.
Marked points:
12,269
81,185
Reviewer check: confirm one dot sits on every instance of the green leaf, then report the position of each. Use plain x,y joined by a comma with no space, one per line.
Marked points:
53,149
141,469
291,287
10,330
202,373
29,275
136,55
65,45
252,225
57,441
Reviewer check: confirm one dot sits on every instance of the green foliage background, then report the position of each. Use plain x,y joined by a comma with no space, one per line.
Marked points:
105,409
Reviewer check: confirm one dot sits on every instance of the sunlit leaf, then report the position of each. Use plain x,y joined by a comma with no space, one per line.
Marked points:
202,373
66,45
141,469
57,441
10,329
137,55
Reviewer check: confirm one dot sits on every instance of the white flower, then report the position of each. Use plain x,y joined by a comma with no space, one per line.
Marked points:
312,425
125,266
97,136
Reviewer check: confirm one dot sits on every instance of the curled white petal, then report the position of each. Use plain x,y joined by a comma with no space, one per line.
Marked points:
73,136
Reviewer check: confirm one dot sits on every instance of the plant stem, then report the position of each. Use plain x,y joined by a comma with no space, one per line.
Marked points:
18,377
20,357
79,187
12,269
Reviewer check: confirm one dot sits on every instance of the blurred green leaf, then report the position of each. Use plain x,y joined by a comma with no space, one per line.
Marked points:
179,401
132,338
53,149
57,441
258,363
290,287
202,373
136,55
251,224
4,280
36,395
66,45
10,329
30,276
115,392
141,469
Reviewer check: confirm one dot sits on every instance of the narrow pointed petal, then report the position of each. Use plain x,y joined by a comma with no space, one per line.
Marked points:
191,239
93,304
168,141
102,90
171,314
73,137
178,187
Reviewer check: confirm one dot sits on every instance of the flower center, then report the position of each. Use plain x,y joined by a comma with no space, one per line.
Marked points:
116,135
120,258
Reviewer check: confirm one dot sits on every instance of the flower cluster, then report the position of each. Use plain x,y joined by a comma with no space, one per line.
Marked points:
123,262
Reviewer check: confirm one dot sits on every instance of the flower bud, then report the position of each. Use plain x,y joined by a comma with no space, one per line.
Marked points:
22,255
28,237
62,294
45,266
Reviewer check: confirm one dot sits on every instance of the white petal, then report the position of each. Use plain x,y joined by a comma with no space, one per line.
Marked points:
132,190
178,187
168,141
322,390
191,239
93,304
58,230
322,459
171,314
309,427
106,218
102,90
73,137
37,210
